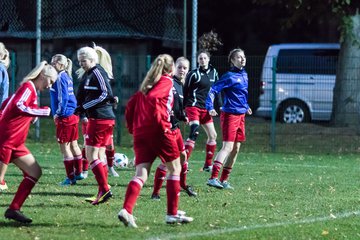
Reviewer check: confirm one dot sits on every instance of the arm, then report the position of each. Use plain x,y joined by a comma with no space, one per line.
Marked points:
25,102
215,90
162,96
104,89
4,84
187,86
63,96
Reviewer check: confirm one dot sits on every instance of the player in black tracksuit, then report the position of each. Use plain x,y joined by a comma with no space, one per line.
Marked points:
178,115
196,88
95,97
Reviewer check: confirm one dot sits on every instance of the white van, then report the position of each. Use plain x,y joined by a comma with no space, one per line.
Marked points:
305,78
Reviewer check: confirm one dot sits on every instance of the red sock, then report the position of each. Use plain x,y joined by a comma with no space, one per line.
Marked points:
98,170
160,175
78,164
23,192
85,161
216,169
225,174
110,157
210,151
106,171
183,174
189,147
132,192
173,192
69,167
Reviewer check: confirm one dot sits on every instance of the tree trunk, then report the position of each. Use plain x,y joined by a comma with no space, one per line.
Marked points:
346,104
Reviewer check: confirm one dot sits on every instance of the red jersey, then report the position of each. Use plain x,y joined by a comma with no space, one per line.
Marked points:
150,114
17,115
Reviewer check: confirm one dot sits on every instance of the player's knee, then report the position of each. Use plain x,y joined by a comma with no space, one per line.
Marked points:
194,131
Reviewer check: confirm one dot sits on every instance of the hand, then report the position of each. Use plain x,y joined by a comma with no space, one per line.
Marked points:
249,111
213,113
34,120
79,110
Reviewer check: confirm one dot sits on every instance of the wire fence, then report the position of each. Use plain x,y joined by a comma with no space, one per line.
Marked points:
310,94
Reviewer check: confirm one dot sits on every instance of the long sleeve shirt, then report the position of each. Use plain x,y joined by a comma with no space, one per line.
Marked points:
197,85
63,100
94,95
17,113
150,114
234,85
4,83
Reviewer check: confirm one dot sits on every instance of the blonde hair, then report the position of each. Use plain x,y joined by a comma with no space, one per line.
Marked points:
4,55
88,53
104,60
162,64
42,68
231,54
182,59
66,62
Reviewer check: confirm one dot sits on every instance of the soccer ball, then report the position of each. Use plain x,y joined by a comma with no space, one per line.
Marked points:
121,160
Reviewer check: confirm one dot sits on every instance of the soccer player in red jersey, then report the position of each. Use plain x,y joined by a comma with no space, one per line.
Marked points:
147,116
19,111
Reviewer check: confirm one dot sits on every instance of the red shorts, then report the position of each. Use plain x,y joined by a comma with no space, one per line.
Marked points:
164,146
201,115
67,129
98,132
179,140
8,154
233,127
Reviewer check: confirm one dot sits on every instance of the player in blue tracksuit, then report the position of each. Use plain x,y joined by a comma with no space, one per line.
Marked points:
63,105
234,85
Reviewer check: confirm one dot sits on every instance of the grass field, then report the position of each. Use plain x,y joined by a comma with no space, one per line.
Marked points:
276,196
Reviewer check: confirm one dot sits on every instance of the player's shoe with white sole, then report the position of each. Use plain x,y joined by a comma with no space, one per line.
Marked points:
207,168
113,172
214,182
68,182
126,218
3,186
102,197
226,185
178,218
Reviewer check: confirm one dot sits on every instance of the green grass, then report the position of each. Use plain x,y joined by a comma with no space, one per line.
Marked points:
284,195
277,196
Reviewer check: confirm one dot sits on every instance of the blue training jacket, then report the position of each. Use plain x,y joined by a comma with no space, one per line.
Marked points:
4,83
234,85
63,100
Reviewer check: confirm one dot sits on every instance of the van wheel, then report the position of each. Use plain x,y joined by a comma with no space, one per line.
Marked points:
294,112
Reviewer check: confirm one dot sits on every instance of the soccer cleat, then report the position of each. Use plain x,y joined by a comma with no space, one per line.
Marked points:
102,197
127,218
79,177
113,172
3,186
171,219
68,182
85,174
226,185
214,182
181,213
17,216
190,191
207,168
155,197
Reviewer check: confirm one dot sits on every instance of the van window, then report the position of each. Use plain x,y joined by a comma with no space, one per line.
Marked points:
307,61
